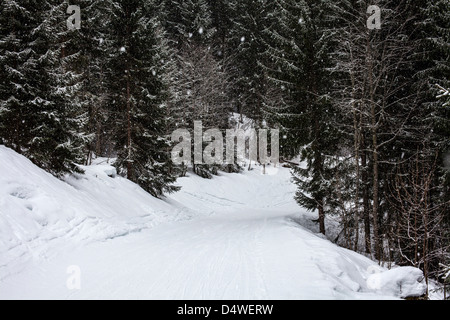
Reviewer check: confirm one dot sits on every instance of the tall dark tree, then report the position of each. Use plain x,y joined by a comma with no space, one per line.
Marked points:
223,13
429,129
40,116
139,92
91,45
299,58
18,19
247,42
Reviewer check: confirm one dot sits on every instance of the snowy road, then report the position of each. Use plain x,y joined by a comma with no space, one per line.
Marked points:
232,237
246,255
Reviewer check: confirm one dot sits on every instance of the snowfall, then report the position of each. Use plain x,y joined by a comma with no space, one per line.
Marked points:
238,236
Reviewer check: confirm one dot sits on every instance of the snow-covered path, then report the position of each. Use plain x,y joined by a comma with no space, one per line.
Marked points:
233,237
247,255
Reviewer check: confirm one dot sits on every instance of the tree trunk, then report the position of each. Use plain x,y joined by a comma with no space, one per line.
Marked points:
374,132
98,144
365,181
322,218
318,165
375,205
357,141
129,160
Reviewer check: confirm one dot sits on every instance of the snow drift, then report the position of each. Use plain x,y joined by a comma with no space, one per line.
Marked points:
38,211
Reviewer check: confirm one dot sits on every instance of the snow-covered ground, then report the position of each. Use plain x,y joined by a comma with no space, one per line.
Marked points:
99,236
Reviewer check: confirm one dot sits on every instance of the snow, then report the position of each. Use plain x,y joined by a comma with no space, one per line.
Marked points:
400,282
99,236
39,212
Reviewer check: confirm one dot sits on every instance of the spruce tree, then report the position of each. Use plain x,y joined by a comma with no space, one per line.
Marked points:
201,83
247,42
429,134
138,94
17,21
223,15
298,64
91,45
38,105
433,70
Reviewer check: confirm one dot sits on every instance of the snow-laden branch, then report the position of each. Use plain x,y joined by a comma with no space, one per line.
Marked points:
443,93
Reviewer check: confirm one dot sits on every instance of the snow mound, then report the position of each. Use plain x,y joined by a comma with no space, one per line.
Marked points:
404,282
37,210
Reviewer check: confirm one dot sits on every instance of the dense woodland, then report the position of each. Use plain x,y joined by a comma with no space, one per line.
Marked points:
368,111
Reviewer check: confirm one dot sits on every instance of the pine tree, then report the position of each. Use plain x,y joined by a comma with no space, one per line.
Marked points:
247,40
40,112
433,69
17,20
299,59
431,124
201,83
223,13
91,45
138,94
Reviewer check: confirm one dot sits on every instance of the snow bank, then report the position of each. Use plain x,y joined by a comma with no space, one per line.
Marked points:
403,282
37,210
